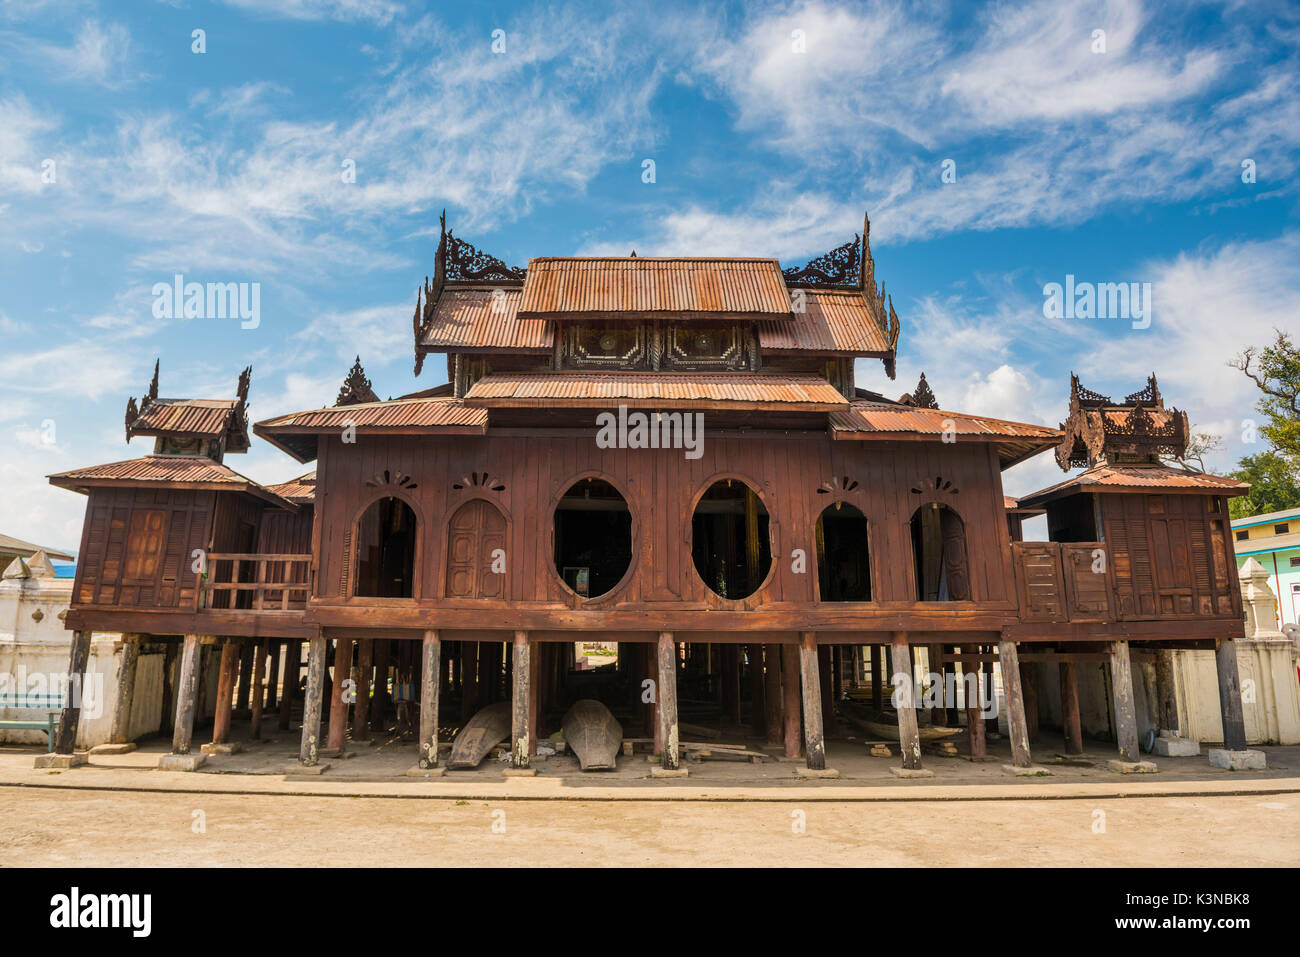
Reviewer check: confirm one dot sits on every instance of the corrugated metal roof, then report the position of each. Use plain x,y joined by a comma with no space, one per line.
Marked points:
658,389
485,318
1141,478
393,414
16,546
195,470
831,321
868,417
190,416
300,490
643,285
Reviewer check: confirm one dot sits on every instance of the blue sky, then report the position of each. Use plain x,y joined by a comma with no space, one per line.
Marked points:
772,128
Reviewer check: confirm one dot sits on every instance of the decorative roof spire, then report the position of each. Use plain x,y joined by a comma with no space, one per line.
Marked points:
356,387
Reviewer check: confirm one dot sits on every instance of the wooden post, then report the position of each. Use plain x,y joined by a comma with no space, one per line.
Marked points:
258,697
361,711
245,674
934,659
991,722
1234,724
667,699
65,735
1029,687
230,664
826,686
338,730
169,686
901,678
121,732
379,703
1166,701
950,677
520,701
187,695
289,688
468,660
1121,680
772,703
312,703
876,677
1018,729
757,698
272,673
974,708
810,674
1070,722
430,669
790,700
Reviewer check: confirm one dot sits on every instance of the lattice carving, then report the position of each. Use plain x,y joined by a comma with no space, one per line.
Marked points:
840,267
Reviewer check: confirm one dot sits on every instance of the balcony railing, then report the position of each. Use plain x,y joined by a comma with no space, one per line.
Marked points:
255,583
1063,581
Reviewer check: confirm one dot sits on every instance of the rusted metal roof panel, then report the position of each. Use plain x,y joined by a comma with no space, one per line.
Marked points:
190,416
485,318
300,491
832,321
1139,478
193,470
675,389
393,414
639,286
871,417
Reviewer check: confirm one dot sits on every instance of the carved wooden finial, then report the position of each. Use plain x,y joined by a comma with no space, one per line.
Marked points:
153,386
356,387
923,396
245,378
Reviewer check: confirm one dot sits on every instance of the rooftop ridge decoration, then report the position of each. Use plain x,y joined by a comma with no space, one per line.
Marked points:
1137,431
922,397
842,266
356,388
133,412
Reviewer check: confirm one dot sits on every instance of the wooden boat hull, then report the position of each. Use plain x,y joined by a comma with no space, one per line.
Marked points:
888,731
593,734
481,734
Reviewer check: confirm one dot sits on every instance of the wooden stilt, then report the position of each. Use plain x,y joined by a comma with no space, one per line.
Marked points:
430,669
170,682
877,676
974,709
258,697
231,655
991,722
1029,686
790,682
934,659
825,685
772,702
273,675
667,701
121,730
520,704
361,710
313,701
535,699
65,734
289,689
468,679
1070,723
811,681
1121,680
1018,729
379,703
338,729
1234,724
901,678
757,696
949,670
245,676
187,695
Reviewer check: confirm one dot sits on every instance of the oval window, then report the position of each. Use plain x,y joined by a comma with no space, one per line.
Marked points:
729,539
593,537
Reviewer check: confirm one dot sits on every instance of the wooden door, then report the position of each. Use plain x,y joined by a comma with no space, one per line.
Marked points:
144,544
476,538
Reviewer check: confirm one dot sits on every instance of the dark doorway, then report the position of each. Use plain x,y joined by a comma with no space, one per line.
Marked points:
386,550
939,550
843,559
593,537
729,539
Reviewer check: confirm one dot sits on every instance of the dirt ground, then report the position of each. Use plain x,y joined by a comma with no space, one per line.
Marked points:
142,829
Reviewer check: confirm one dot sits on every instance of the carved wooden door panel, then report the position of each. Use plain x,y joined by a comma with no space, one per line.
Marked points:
476,540
954,557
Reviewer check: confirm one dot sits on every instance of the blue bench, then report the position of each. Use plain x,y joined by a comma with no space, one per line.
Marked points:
34,702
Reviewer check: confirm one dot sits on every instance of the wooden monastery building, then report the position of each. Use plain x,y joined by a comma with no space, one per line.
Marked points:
669,454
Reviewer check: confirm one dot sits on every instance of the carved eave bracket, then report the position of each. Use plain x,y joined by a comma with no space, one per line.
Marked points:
133,412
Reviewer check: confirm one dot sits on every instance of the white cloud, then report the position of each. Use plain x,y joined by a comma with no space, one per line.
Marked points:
378,11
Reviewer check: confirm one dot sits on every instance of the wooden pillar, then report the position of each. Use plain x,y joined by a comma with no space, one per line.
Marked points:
170,683
520,704
790,700
876,677
934,658
1029,687
289,688
338,730
230,664
826,687
901,678
1121,681
772,703
468,679
757,689
1071,725
379,703
1234,724
272,673
949,670
667,701
65,734
121,731
974,708
187,695
1018,729
361,710
810,675
313,701
1166,700
245,676
991,722
430,670
258,695
535,700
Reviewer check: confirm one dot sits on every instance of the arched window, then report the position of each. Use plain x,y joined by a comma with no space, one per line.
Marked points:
386,550
843,559
729,539
593,537
476,551
939,550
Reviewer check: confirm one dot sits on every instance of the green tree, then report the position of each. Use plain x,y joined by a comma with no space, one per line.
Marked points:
1273,485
